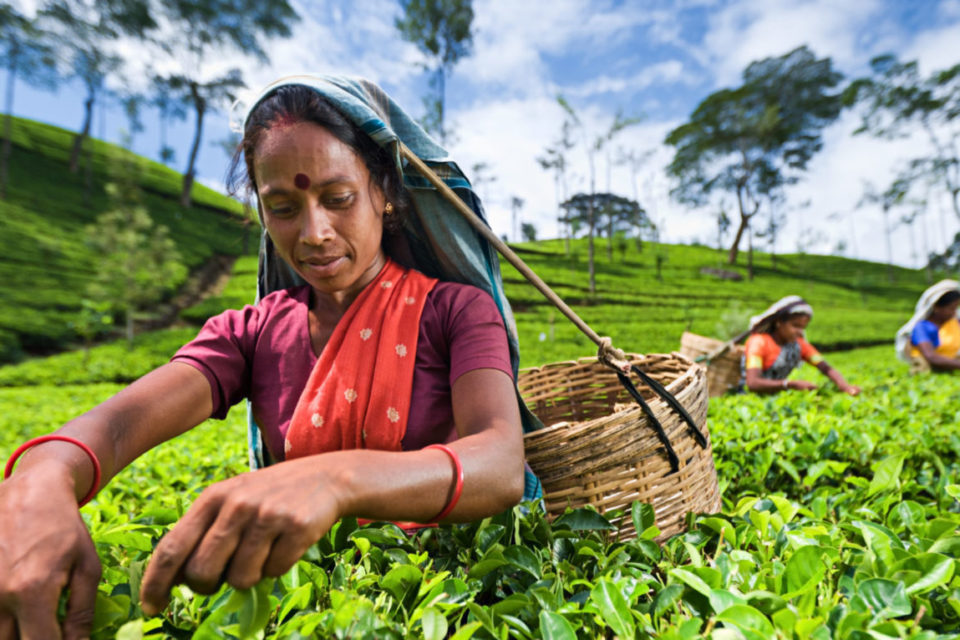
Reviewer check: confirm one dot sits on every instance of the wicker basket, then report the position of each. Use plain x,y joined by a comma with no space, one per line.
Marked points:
723,372
596,452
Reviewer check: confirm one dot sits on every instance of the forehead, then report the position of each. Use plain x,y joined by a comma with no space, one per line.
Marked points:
799,319
304,148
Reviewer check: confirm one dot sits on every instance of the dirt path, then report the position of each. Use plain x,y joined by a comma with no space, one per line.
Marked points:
208,280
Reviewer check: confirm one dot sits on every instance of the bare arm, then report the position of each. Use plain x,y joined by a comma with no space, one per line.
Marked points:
937,360
46,548
159,406
758,384
259,524
837,379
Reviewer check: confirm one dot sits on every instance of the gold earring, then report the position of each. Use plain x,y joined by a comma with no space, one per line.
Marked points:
388,209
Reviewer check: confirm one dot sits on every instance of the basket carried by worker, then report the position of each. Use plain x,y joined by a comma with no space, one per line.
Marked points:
654,450
599,451
723,365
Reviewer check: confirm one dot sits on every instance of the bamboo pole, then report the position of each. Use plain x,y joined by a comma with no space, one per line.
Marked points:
500,246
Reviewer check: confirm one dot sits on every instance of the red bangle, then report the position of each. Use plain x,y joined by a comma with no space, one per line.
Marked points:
86,449
458,489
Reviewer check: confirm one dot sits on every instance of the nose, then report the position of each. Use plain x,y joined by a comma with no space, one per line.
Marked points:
316,228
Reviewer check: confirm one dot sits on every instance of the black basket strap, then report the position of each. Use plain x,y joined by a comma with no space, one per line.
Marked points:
674,404
657,427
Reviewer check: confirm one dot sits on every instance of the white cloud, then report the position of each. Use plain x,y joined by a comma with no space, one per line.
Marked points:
667,72
749,30
937,48
950,9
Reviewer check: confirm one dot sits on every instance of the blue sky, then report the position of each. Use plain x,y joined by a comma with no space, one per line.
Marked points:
656,59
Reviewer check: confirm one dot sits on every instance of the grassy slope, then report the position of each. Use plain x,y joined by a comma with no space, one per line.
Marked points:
854,302
46,265
853,299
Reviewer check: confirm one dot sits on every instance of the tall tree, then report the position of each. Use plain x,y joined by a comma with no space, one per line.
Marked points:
758,137
529,232
516,204
892,197
593,144
615,212
442,30
201,29
170,108
24,53
482,176
86,30
138,261
554,159
898,101
723,225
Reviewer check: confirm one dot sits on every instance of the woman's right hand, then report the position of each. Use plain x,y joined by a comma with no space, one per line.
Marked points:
45,549
802,385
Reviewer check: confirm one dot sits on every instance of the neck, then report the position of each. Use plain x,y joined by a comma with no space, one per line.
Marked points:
337,302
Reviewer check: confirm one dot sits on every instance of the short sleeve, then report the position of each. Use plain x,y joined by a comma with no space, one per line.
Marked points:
476,334
754,352
222,352
925,331
809,353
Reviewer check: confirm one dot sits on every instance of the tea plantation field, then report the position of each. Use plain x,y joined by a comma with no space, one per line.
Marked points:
46,265
840,520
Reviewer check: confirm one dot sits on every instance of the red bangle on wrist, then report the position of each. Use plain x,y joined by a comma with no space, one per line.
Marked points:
457,489
52,437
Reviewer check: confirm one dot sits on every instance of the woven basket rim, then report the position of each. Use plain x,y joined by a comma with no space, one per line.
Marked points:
654,403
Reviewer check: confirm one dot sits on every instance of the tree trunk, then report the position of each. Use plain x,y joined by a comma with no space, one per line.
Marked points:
8,125
610,240
84,132
593,280
201,107
735,248
750,256
129,331
886,231
88,179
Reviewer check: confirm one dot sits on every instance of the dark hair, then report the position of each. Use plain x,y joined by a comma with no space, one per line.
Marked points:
291,104
782,316
948,298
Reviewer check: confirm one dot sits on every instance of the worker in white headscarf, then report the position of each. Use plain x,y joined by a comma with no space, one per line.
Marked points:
931,339
777,345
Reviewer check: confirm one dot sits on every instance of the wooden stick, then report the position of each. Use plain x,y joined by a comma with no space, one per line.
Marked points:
492,238
722,349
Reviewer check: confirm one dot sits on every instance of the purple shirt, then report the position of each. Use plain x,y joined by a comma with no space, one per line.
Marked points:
264,353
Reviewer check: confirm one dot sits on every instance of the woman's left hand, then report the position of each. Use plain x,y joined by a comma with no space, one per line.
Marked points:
253,525
851,389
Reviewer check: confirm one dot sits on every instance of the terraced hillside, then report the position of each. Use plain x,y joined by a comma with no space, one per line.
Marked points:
45,264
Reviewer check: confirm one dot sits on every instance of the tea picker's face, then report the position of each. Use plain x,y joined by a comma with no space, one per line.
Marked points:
320,207
944,312
791,328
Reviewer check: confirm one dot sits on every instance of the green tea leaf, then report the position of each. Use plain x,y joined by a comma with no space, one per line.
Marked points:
805,570
583,520
434,624
613,608
884,597
554,626
886,474
748,620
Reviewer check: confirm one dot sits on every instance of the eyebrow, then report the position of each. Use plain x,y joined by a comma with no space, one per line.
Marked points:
268,190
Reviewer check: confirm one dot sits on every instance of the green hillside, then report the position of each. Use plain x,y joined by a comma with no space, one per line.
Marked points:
855,302
46,266
855,305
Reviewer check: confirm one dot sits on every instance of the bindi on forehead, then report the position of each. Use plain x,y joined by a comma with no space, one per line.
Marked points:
301,181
